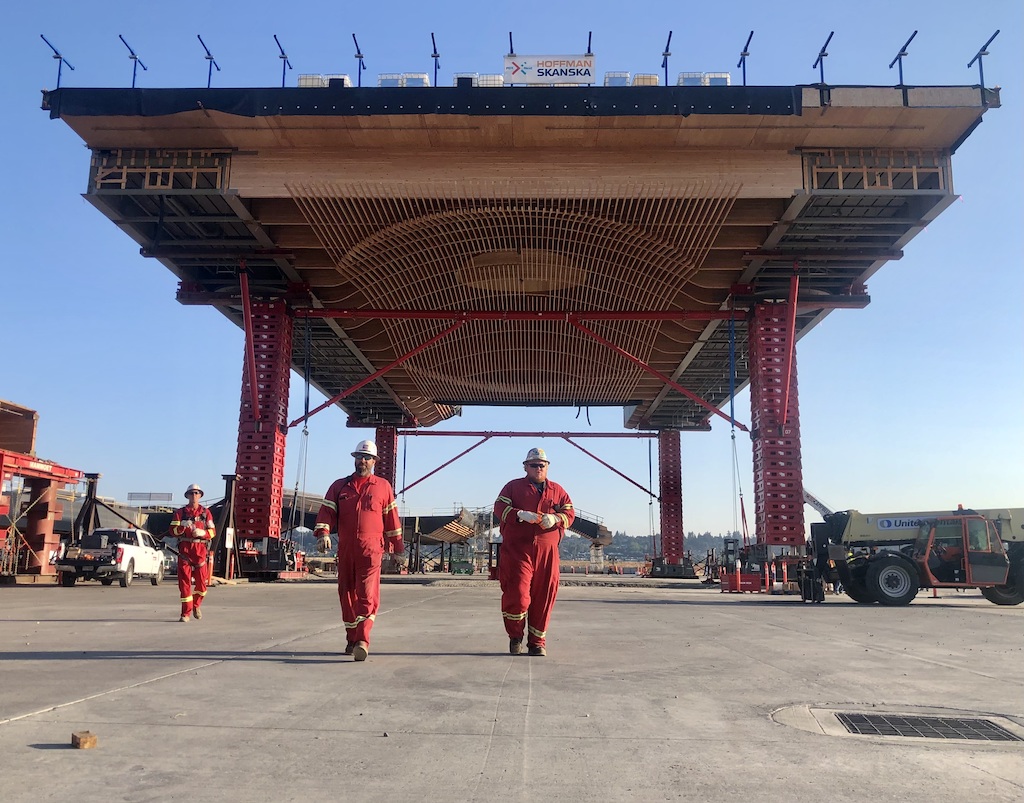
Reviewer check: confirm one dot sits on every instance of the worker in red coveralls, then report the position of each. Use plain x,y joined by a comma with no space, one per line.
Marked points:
533,514
192,525
362,510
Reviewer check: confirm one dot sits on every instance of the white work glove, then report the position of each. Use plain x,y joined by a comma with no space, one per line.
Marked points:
548,521
323,542
528,516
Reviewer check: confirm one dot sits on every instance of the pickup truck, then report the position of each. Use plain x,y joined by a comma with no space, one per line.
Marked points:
112,554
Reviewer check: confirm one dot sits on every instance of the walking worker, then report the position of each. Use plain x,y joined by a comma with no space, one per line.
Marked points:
192,525
362,510
533,514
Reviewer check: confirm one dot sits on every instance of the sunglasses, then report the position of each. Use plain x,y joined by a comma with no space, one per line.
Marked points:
365,457
193,493
536,465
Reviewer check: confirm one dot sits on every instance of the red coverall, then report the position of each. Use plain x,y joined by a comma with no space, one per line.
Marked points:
363,512
528,561
193,527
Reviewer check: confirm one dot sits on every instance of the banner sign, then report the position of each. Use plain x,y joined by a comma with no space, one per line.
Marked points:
149,496
550,69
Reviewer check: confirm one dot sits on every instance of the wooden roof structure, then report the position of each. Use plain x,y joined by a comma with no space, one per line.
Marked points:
571,238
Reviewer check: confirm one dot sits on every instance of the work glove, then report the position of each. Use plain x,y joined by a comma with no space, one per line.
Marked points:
548,521
395,544
323,543
528,516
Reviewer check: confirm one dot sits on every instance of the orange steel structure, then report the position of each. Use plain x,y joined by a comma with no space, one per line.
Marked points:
35,545
412,250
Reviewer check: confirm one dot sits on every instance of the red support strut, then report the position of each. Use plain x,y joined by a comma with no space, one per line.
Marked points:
387,453
775,430
671,483
262,425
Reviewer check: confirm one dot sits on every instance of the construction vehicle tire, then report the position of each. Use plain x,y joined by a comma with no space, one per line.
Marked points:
1013,592
858,592
1004,595
892,580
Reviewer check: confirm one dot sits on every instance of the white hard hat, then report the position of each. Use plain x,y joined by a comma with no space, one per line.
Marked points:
365,448
193,487
536,455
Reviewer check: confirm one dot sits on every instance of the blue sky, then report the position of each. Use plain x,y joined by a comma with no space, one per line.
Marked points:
911,404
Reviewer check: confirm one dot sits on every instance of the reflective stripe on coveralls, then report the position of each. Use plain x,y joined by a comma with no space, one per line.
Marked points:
528,567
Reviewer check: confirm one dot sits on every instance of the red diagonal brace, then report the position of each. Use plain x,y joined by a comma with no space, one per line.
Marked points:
516,315
443,465
250,348
654,372
794,287
611,468
381,372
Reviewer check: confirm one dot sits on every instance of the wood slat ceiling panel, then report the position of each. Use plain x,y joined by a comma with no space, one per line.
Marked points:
513,246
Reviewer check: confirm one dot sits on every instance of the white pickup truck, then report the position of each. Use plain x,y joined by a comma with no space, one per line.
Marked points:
112,554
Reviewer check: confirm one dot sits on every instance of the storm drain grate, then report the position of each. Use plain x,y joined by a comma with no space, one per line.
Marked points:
926,727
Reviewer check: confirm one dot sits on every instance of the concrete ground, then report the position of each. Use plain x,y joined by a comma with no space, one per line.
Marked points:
648,693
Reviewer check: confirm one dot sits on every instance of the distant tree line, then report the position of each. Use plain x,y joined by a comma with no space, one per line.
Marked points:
576,547
641,547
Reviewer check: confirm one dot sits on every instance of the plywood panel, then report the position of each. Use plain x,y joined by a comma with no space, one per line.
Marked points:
264,174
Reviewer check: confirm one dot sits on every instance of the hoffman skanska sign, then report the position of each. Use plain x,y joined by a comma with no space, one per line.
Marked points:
549,69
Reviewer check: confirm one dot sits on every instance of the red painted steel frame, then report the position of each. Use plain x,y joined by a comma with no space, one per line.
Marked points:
43,478
778,478
593,456
670,475
488,434
794,290
566,436
640,363
387,453
509,315
250,356
261,441
463,453
381,372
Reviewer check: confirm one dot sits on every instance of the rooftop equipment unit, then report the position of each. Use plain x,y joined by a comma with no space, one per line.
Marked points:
616,79
415,79
704,79
390,79
472,76
319,81
645,79
491,80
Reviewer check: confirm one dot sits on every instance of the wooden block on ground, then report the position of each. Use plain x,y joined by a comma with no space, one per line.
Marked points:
83,740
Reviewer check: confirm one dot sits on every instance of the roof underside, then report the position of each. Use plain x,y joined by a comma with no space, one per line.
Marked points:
651,209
